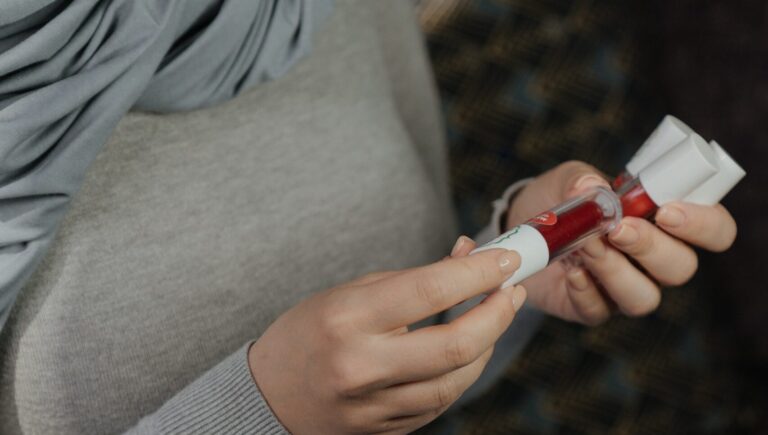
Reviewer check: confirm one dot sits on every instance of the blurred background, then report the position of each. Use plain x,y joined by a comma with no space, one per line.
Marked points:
527,84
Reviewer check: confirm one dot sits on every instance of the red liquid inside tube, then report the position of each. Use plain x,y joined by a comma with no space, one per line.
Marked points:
569,226
621,180
636,202
634,199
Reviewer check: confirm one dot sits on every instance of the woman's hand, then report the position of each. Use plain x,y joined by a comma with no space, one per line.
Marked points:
344,361
608,279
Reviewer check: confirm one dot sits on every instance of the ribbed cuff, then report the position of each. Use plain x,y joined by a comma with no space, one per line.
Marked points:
501,205
224,400
500,208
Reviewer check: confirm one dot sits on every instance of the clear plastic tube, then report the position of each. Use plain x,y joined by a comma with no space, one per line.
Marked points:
621,179
566,226
671,177
635,200
559,231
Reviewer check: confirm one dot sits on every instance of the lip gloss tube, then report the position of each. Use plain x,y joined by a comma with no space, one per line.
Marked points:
671,177
691,170
667,134
714,189
558,231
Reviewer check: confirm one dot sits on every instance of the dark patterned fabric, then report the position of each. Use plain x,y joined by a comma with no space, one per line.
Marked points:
527,84
713,66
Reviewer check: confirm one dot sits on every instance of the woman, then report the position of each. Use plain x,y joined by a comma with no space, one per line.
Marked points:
205,276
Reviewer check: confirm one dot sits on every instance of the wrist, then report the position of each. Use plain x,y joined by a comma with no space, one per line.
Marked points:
256,360
503,213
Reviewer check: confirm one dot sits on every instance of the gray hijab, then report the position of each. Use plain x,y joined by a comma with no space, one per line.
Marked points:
70,69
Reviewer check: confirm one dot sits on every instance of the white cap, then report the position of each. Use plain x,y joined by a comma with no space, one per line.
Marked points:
669,133
529,243
679,171
714,189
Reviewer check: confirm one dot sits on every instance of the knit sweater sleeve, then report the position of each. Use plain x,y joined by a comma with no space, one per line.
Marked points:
225,399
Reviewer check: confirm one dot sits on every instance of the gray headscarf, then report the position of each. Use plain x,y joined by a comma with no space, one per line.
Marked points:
70,69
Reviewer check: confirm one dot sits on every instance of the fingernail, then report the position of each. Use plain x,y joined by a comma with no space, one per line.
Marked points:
587,181
625,235
578,279
594,248
459,243
518,297
670,216
509,261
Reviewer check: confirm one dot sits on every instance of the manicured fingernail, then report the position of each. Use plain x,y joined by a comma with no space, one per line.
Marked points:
578,279
459,243
587,181
625,235
670,216
594,248
509,261
518,296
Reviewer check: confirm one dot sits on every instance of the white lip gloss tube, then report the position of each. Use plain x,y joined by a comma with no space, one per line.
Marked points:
667,134
558,231
671,177
715,188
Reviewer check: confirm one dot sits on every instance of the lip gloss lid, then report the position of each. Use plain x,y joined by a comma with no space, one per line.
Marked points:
714,189
669,133
679,171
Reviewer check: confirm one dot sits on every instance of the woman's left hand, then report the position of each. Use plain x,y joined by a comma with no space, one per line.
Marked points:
608,280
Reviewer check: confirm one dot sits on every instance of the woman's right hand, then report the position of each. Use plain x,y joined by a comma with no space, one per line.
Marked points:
344,360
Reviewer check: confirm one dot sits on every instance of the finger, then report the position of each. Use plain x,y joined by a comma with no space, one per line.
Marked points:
419,293
553,187
664,257
426,396
587,300
432,351
404,425
464,245
578,177
373,277
629,288
408,424
711,228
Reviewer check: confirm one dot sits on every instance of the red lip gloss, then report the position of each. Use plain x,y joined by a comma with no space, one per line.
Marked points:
558,231
562,230
666,170
671,177
667,134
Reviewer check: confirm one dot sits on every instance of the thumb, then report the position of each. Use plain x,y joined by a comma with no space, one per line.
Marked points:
578,178
565,181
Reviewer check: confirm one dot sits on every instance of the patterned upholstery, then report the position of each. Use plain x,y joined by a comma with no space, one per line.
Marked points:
527,84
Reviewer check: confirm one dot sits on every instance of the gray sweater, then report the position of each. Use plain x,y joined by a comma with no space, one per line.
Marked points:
193,231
